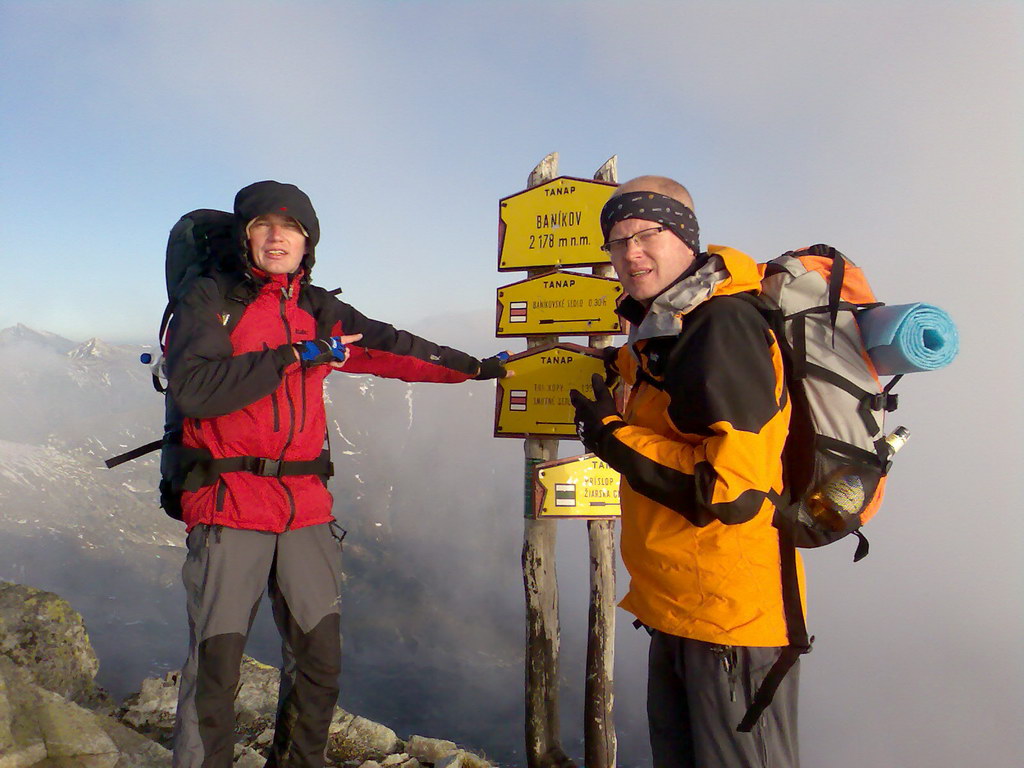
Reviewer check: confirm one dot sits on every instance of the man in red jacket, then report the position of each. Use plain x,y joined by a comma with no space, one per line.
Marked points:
255,499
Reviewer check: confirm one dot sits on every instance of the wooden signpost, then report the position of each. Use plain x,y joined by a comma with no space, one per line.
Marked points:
555,223
599,743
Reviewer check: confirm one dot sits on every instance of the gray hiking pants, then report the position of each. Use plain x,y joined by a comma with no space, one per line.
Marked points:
697,693
225,574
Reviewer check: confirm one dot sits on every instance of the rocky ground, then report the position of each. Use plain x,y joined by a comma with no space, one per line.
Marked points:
53,715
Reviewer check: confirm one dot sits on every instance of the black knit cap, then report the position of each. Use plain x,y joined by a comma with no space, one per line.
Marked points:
265,197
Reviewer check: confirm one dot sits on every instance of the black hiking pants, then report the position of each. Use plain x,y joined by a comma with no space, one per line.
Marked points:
225,574
697,693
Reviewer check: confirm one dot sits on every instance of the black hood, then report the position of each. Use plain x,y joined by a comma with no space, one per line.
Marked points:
265,197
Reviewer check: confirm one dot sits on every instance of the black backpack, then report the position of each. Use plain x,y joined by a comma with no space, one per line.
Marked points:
201,244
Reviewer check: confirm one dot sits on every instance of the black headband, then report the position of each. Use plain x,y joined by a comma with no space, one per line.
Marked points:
651,206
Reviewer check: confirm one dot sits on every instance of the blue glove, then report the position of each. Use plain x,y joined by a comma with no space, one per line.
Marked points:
320,351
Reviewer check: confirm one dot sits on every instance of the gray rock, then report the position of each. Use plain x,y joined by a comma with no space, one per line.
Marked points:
246,757
429,750
42,633
136,751
352,737
265,737
25,736
400,760
151,710
462,759
52,714
22,757
69,730
46,726
6,738
256,699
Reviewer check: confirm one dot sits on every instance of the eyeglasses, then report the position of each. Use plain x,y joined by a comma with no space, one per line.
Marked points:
621,245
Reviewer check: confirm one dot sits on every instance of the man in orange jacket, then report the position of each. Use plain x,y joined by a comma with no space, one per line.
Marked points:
699,447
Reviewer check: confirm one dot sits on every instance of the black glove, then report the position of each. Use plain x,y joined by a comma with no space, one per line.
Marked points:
493,367
320,351
591,414
608,357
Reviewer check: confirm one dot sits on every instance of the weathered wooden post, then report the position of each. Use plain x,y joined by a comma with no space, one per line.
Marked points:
543,739
598,722
551,225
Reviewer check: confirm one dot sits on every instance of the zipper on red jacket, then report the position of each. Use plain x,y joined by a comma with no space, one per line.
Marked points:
286,294
302,420
274,407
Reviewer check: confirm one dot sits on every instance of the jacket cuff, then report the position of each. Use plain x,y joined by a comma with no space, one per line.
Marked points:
285,355
604,437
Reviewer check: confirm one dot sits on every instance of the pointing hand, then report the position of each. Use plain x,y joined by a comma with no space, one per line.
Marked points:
493,367
333,350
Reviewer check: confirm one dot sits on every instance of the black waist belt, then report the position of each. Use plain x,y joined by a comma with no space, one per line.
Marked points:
208,471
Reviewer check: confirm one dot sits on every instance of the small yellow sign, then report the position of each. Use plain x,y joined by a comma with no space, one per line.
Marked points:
559,303
555,224
534,402
580,486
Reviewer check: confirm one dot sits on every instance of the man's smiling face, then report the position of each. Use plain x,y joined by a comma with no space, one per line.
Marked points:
645,271
276,243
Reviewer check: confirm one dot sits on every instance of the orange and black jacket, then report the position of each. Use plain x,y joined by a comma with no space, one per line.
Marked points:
243,394
699,449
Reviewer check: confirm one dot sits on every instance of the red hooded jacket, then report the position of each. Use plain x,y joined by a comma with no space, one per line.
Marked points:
243,394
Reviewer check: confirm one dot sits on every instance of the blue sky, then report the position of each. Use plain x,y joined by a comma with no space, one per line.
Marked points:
889,129
880,127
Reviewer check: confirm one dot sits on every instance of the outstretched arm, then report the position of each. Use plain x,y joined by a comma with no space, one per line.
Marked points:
396,354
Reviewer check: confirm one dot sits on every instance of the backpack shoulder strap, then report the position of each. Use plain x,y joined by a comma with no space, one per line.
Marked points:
237,291
796,628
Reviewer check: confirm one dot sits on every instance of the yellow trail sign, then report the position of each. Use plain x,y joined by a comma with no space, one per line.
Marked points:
580,486
534,401
559,303
555,224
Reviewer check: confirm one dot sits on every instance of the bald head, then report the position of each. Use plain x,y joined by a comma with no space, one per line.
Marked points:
660,184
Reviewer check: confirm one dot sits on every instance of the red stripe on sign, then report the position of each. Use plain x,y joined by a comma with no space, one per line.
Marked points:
517,400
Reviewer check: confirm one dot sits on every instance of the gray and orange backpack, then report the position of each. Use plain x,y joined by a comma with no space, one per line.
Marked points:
838,453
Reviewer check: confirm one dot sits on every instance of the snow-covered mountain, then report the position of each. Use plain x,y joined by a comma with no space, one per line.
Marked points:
432,609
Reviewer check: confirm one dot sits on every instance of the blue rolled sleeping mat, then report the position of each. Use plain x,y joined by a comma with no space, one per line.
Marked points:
907,338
